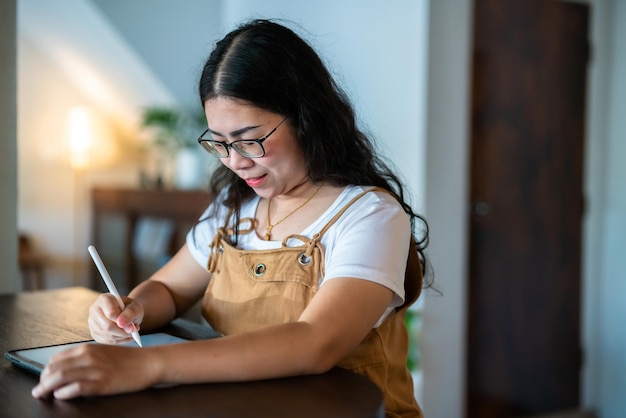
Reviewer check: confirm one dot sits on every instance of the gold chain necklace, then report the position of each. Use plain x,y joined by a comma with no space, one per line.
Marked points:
270,226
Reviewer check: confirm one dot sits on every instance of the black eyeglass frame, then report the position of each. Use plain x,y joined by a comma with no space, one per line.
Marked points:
233,145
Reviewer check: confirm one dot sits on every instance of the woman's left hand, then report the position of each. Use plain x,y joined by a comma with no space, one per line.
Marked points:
94,369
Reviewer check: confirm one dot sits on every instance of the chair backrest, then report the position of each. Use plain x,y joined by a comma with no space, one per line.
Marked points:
31,263
24,243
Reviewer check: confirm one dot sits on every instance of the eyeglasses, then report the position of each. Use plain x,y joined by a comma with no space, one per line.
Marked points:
249,148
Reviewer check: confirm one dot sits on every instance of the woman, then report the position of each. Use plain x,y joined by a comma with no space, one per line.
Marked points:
301,259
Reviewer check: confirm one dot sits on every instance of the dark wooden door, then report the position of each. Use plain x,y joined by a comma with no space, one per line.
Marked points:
527,130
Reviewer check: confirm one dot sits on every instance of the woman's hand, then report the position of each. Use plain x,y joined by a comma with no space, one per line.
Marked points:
94,369
108,324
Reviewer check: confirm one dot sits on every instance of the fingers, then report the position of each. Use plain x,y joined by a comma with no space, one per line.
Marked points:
107,333
130,318
65,386
69,374
108,324
102,316
94,369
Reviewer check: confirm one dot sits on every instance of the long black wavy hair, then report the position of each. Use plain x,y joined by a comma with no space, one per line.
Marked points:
269,66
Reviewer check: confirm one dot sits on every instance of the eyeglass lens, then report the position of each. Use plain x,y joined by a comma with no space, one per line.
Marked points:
245,148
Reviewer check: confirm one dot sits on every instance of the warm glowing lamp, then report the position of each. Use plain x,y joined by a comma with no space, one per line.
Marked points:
89,139
80,137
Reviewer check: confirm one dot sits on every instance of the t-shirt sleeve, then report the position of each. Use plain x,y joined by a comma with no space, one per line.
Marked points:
201,235
371,242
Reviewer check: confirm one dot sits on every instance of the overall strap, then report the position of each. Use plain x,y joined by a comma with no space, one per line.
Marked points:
347,205
222,232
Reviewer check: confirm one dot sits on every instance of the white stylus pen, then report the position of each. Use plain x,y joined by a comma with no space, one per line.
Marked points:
110,285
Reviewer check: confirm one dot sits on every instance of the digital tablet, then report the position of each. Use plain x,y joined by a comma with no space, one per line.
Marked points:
35,359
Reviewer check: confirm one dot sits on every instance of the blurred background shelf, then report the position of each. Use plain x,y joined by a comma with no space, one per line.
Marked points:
172,211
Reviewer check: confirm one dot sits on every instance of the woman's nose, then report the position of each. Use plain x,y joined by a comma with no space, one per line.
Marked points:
237,161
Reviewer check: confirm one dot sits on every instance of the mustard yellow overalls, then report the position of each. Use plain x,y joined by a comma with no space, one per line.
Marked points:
252,289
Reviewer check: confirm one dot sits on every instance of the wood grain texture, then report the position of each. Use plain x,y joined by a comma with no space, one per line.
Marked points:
33,319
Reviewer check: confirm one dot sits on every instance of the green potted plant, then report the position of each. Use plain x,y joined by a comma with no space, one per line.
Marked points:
172,128
175,133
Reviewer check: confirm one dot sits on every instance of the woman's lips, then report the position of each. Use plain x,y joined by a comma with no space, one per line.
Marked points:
255,181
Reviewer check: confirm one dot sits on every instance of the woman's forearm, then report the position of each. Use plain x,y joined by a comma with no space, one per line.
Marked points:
158,304
326,332
282,350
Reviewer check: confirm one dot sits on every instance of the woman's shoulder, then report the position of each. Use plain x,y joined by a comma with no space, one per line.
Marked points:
363,204
366,195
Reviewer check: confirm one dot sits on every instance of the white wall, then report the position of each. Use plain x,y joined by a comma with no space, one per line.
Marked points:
8,149
80,42
593,232
444,334
53,198
69,55
172,37
605,284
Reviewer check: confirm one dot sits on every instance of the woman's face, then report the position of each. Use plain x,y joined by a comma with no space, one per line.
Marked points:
281,169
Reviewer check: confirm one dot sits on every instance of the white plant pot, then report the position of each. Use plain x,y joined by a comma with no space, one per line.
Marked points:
188,169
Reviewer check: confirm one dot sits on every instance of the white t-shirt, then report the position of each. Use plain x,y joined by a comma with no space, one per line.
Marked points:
370,241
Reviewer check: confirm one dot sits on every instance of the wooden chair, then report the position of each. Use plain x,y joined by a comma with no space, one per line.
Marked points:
31,264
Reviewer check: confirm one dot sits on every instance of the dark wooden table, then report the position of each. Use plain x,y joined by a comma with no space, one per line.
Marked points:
32,319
